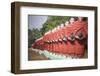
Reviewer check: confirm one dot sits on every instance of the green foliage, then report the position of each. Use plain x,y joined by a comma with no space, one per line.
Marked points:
33,35
52,21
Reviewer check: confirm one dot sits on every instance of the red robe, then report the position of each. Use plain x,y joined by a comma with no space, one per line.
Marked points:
50,44
80,26
56,44
44,40
69,45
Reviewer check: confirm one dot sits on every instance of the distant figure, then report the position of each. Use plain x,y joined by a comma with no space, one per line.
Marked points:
62,25
80,18
66,23
58,27
71,20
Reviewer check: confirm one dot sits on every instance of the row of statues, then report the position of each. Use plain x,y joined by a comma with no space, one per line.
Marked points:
69,39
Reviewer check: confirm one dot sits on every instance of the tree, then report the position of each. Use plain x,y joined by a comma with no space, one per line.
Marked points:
33,35
53,21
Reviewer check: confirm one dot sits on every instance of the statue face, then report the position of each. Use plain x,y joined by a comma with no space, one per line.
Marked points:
80,18
62,25
66,23
72,20
58,27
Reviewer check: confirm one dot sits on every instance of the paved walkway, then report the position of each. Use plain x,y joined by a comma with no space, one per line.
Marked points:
35,56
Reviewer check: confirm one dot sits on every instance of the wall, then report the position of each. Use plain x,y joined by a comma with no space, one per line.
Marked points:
5,33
